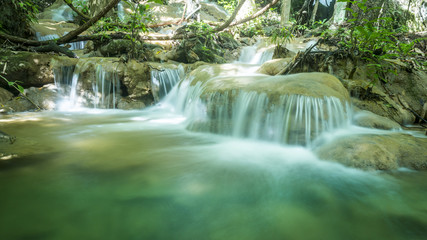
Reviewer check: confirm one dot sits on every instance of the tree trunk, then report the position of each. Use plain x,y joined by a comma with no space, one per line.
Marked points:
285,12
247,9
313,15
255,15
339,14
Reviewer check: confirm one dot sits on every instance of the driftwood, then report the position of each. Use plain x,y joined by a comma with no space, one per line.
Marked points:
53,47
300,57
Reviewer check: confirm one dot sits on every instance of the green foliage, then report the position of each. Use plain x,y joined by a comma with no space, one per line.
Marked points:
81,5
16,16
14,85
282,36
28,8
228,5
372,39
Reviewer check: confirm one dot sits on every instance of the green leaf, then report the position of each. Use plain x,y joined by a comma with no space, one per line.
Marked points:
20,89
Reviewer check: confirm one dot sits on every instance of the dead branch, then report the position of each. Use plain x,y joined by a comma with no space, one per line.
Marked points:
255,15
67,37
300,57
70,4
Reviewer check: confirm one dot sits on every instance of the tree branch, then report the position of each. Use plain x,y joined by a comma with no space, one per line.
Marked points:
255,15
231,18
67,37
70,4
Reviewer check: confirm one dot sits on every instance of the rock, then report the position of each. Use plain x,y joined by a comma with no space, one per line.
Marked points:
377,152
128,104
372,120
316,85
19,104
29,69
45,97
274,66
374,99
5,95
282,52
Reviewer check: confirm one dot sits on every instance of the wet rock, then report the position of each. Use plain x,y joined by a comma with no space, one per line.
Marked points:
316,85
377,152
5,95
128,104
45,97
19,104
374,99
274,66
29,69
282,52
372,120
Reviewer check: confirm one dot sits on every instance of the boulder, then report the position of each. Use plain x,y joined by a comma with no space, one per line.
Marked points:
374,99
274,66
5,95
372,120
377,152
227,78
29,69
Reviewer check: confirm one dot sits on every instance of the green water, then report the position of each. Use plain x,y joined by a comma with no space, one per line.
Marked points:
141,175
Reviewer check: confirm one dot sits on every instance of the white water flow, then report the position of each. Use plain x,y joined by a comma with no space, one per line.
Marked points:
162,81
256,54
286,119
121,11
103,92
73,45
106,89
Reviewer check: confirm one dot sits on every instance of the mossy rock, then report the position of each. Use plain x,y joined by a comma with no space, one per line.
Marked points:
377,152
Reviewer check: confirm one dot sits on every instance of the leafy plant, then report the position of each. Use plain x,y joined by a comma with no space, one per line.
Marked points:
282,36
369,40
20,89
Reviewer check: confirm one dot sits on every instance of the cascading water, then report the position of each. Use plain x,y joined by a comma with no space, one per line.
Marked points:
106,89
256,54
283,118
162,81
73,45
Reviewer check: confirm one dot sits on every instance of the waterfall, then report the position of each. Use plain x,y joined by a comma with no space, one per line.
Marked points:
106,89
162,81
256,55
73,45
63,13
120,11
289,119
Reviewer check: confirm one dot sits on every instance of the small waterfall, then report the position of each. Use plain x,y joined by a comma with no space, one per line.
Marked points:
66,82
120,11
106,89
255,55
73,45
63,13
162,81
288,119
46,37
